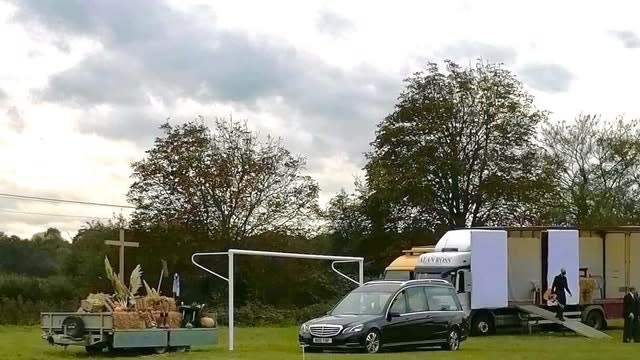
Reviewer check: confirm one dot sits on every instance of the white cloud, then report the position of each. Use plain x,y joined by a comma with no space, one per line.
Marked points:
83,97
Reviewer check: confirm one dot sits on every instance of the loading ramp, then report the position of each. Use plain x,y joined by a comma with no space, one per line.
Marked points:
574,325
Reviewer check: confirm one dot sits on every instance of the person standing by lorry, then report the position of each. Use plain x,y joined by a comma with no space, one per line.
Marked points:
629,311
558,288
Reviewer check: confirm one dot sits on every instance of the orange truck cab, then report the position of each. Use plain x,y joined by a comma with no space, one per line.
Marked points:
404,266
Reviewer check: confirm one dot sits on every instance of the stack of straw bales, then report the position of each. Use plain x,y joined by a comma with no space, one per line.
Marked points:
587,287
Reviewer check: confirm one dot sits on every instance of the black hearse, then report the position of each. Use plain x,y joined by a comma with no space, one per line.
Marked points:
381,314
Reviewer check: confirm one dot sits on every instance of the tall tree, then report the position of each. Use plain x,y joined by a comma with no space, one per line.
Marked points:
459,149
599,169
224,182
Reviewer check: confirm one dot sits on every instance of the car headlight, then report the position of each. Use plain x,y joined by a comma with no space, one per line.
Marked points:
354,329
304,328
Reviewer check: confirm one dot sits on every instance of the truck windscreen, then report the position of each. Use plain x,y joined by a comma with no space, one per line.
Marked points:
437,273
397,275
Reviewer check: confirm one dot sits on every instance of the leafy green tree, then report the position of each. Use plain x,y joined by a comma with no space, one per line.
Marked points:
57,248
459,149
599,174
223,182
41,256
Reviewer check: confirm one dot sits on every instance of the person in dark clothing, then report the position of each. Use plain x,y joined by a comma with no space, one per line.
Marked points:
558,288
636,321
630,313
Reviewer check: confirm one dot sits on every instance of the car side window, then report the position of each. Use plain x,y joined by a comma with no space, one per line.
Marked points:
399,304
416,299
441,298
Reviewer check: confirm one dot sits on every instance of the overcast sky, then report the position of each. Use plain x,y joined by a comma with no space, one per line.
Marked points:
84,84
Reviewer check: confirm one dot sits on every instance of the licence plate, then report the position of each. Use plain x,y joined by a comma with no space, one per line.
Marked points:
322,340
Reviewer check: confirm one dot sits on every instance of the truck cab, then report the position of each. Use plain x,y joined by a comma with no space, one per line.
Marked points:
453,266
404,267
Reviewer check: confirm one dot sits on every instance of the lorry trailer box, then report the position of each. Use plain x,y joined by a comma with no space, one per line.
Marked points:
496,270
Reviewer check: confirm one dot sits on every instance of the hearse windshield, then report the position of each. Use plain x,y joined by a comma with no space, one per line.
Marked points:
367,300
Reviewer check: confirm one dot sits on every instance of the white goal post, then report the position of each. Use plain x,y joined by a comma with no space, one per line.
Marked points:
232,252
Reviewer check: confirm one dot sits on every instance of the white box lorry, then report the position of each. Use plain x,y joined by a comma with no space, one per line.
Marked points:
499,271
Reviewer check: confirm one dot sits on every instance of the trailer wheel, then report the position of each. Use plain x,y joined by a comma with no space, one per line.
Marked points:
94,349
74,327
481,325
595,319
160,350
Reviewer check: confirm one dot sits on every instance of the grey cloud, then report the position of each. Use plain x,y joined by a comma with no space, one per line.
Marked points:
471,50
124,122
629,39
333,24
547,77
152,50
3,96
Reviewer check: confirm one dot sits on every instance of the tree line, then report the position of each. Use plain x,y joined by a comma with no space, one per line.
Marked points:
463,146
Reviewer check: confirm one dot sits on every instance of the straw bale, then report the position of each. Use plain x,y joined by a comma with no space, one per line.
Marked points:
128,320
161,303
587,288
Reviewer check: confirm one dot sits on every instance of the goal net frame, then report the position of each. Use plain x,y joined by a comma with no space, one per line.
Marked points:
230,279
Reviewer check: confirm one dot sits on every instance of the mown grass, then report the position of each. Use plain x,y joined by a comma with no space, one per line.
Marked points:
281,344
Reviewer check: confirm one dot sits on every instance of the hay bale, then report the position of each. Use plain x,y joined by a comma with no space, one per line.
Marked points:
92,306
174,319
154,303
587,288
128,320
588,284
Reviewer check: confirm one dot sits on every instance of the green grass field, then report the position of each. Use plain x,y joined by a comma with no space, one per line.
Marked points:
281,344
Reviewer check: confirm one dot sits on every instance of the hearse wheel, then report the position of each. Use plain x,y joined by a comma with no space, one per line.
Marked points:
453,341
372,341
595,319
481,325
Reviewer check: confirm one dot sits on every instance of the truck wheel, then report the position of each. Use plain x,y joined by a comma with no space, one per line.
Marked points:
595,319
74,327
481,325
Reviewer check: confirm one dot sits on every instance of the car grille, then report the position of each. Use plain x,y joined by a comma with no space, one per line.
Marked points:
325,330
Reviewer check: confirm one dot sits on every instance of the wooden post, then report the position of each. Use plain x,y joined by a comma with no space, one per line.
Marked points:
122,244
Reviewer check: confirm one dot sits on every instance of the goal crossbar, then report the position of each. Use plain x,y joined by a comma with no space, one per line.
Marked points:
232,252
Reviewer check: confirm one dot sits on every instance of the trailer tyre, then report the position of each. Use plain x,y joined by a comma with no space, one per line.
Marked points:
595,319
94,349
481,325
160,350
74,327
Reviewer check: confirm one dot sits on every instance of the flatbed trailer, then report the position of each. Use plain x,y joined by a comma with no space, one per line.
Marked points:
96,333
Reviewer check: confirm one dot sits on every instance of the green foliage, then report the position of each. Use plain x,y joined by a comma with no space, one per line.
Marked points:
43,256
458,150
257,314
55,289
599,170
23,297
19,311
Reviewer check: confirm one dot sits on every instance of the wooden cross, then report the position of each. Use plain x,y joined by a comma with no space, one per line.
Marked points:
122,245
